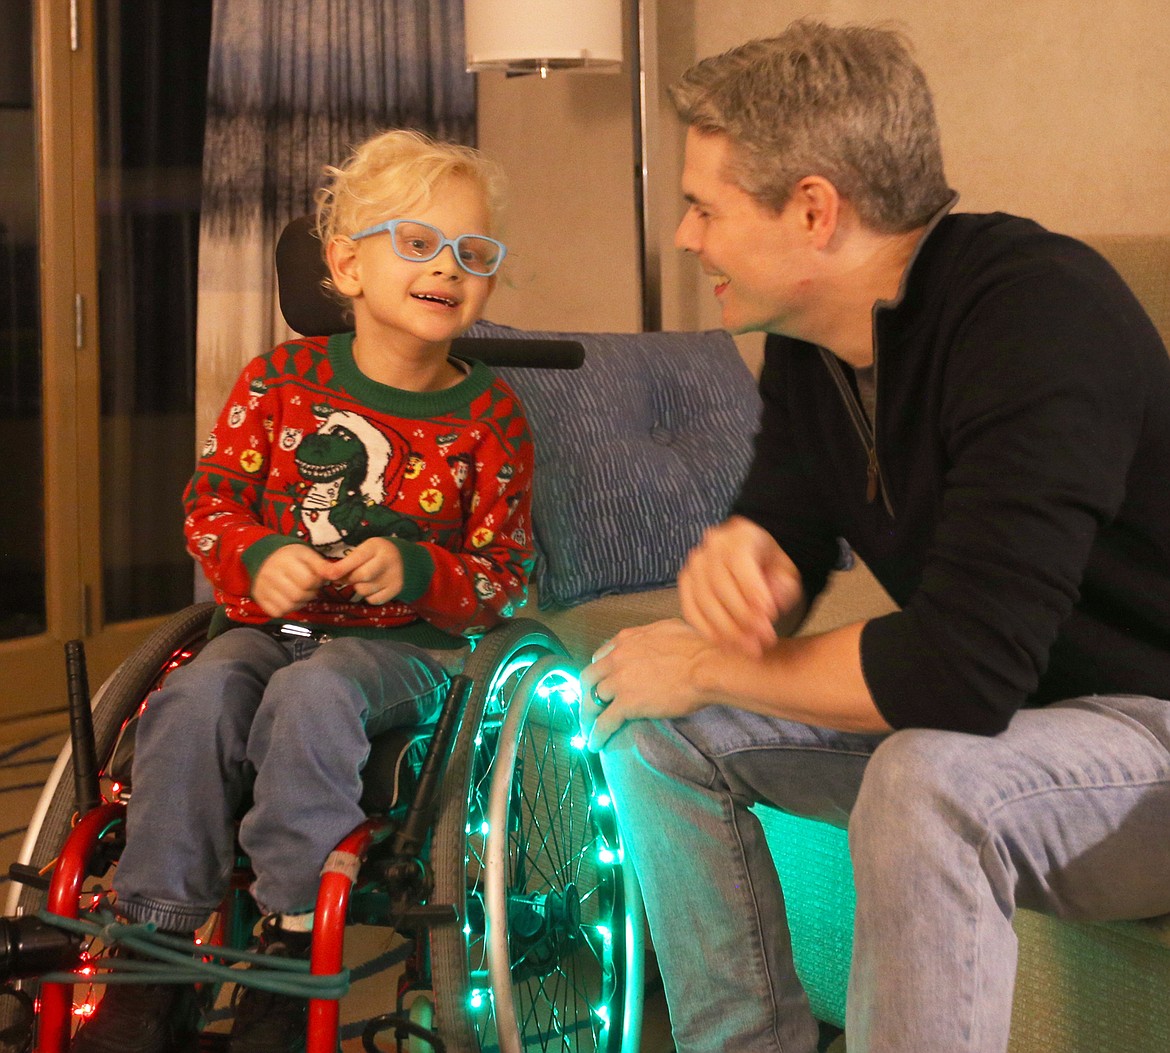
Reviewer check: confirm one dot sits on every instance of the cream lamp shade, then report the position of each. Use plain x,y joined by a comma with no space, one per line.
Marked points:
538,36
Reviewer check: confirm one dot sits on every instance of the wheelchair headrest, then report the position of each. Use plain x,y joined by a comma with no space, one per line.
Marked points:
310,310
300,271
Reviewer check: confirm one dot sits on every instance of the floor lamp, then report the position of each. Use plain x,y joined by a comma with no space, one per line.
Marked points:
544,36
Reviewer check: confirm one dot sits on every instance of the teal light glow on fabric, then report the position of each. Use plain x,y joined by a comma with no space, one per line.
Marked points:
812,859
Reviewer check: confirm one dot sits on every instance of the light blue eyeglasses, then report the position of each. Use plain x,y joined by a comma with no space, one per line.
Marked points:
419,242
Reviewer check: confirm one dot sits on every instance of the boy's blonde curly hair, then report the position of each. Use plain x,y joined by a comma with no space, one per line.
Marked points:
395,173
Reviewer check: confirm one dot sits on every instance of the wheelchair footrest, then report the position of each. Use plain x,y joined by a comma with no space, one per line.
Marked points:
428,915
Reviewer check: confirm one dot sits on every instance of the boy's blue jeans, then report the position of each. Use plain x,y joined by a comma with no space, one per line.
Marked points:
288,722
1066,812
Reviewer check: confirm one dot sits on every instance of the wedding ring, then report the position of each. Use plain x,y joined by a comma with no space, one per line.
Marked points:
602,702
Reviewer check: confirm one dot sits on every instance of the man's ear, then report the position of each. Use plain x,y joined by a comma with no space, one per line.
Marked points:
819,205
341,255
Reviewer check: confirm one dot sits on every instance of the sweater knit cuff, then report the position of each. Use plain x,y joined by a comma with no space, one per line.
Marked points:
418,568
256,554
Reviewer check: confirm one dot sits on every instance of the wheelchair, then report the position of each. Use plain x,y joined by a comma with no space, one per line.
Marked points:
520,921
489,870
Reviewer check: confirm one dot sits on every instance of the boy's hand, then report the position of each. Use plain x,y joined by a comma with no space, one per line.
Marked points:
373,570
288,579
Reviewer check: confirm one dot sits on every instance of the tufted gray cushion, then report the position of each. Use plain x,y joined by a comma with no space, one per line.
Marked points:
636,453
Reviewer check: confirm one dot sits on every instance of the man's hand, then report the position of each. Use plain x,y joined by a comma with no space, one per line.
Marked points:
373,570
647,671
736,584
288,579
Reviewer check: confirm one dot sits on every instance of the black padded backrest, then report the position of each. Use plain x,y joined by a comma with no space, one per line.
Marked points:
310,310
300,272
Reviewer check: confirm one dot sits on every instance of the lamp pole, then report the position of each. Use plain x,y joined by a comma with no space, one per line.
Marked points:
644,75
574,34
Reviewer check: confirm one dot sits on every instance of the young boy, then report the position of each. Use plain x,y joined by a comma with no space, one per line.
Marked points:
362,506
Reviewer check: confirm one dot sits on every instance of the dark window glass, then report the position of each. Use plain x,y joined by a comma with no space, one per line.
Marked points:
22,523
152,90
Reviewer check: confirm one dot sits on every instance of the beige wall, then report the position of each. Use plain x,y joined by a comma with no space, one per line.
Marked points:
1057,109
566,145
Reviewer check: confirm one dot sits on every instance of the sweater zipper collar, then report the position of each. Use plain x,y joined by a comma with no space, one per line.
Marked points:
874,483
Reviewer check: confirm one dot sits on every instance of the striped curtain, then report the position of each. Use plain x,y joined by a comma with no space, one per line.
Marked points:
294,85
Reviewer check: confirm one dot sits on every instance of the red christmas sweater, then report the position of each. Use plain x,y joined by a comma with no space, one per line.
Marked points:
310,451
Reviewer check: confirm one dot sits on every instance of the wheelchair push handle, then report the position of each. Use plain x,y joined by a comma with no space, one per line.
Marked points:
86,788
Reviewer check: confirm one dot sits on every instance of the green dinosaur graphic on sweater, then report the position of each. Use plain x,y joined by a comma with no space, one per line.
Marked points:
350,467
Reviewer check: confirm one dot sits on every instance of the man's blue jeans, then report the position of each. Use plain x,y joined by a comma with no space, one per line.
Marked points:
1066,812
288,722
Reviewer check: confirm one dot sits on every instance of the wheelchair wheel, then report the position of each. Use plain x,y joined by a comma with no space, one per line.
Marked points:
114,702
549,951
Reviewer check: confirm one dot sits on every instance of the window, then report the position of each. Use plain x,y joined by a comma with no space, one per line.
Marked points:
101,139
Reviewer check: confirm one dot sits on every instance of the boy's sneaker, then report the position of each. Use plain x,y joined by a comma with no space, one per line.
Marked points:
266,1022
141,1018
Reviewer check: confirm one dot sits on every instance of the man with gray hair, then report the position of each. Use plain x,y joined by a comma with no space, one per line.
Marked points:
981,408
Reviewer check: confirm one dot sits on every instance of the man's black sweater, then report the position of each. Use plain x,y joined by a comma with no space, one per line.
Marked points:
1013,496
